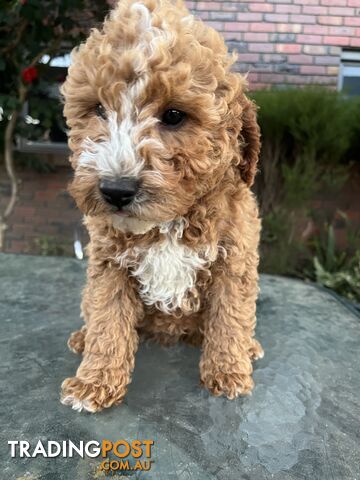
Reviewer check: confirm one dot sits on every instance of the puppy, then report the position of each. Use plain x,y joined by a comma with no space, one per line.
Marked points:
164,147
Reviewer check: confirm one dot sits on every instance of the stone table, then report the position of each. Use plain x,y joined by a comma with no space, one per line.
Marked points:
302,421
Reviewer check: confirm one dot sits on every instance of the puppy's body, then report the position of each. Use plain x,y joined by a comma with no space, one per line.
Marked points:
179,261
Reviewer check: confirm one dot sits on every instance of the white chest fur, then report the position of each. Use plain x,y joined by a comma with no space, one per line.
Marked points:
166,271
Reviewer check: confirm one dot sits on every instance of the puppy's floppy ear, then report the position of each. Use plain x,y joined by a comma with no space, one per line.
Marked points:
249,141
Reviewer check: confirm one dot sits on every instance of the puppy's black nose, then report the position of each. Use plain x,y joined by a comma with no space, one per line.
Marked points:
119,192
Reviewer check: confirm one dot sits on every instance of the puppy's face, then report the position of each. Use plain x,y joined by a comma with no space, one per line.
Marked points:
155,117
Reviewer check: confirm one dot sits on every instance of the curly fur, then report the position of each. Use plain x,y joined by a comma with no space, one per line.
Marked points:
182,264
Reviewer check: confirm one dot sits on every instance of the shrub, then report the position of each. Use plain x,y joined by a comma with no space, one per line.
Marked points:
310,140
304,133
335,268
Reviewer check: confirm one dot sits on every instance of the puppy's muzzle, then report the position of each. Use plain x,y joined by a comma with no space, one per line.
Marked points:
119,192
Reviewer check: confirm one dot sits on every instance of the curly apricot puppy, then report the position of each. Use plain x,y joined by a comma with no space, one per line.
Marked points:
165,145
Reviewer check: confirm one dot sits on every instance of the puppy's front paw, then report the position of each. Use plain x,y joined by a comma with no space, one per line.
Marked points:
255,350
91,397
76,342
231,385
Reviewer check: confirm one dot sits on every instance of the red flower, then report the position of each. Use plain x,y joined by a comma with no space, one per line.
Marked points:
29,74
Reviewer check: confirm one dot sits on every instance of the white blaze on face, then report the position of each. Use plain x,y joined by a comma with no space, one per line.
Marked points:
119,155
115,156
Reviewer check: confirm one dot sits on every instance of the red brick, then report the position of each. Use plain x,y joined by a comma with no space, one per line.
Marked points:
56,185
276,17
300,59
288,48
282,37
259,86
272,78
355,42
327,20
315,49
261,47
253,77
233,35
46,195
333,70
236,27
256,37
229,7
341,31
288,27
316,30
353,3
274,58
249,17
207,5
262,27
327,60
307,2
249,57
324,80
333,50
342,12
309,39
17,246
21,211
261,7
222,16
302,19
204,15
297,79
337,3
21,228
337,40
314,10
352,22
287,8
217,25
312,70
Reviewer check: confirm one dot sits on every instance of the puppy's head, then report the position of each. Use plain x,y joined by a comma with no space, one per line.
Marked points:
156,118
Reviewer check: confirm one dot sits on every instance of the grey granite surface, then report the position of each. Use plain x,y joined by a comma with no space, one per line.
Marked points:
302,421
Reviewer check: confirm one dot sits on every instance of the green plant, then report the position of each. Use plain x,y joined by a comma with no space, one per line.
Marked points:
52,246
306,135
335,268
310,139
282,252
345,281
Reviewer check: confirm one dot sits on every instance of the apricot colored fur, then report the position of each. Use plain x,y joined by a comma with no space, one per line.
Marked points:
200,173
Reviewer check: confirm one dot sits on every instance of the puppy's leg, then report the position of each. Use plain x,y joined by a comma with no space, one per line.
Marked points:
229,346
110,345
76,342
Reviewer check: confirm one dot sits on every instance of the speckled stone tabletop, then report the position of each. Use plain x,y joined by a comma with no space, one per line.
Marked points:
302,421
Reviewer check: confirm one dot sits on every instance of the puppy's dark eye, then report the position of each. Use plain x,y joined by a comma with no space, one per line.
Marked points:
100,111
173,117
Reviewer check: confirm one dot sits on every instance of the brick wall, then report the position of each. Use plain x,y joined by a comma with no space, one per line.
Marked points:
45,217
286,42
